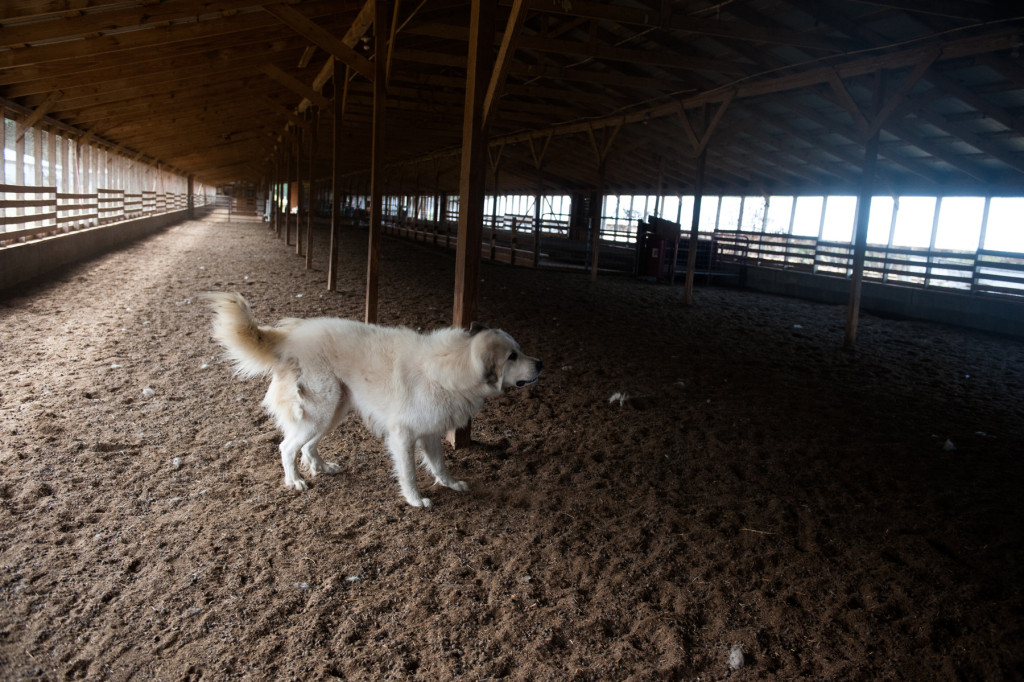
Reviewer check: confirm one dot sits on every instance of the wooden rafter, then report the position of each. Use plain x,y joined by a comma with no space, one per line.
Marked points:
301,24
504,59
296,86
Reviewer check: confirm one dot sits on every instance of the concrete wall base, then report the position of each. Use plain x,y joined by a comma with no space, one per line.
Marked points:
22,262
985,313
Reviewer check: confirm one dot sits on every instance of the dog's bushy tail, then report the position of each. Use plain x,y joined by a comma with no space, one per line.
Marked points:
252,349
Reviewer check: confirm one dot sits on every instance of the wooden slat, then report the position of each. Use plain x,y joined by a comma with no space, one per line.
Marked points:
19,219
27,189
24,203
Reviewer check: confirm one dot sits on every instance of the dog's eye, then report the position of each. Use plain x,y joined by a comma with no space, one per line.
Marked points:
513,357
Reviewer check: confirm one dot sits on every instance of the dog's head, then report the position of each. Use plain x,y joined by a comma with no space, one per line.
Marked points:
502,362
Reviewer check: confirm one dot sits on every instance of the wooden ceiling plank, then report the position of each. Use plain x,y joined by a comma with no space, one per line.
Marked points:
140,64
690,24
154,37
114,20
665,60
34,9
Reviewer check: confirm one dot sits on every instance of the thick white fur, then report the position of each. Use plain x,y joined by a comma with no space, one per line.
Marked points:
409,388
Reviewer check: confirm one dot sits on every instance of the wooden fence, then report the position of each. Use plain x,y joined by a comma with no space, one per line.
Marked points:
507,239
31,212
981,272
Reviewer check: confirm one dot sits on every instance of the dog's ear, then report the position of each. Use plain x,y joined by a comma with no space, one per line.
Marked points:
475,328
489,355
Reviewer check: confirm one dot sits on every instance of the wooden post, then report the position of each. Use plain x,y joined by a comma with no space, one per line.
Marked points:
861,240
380,33
191,199
337,121
437,201
494,213
313,122
867,185
471,176
537,213
596,199
286,194
691,256
300,213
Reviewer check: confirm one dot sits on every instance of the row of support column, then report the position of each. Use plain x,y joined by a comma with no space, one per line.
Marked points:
473,171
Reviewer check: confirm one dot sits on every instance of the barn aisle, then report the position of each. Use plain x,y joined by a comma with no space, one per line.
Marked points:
686,490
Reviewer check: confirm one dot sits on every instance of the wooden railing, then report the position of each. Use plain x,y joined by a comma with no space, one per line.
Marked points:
30,212
509,239
981,272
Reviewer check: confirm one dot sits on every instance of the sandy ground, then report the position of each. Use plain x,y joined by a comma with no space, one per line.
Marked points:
763,497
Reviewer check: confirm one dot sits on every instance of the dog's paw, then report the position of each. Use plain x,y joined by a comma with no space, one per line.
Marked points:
461,486
330,468
420,502
296,484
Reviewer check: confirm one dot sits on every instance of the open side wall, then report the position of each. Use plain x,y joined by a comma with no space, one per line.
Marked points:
22,262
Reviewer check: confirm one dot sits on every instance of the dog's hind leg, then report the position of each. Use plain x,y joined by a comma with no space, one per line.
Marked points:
294,438
403,452
311,458
433,455
330,408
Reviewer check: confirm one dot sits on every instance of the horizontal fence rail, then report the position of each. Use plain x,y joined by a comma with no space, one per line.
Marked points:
980,272
506,239
513,239
30,212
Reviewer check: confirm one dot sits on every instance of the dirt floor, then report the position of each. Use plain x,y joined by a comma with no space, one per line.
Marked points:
762,506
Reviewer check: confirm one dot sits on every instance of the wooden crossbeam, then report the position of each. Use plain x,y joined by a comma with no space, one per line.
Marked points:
40,111
296,86
505,53
305,27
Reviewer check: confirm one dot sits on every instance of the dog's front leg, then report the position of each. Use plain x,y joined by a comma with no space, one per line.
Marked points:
433,455
403,452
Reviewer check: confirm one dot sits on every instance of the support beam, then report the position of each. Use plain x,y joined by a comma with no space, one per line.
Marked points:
504,59
40,111
860,239
691,256
322,38
338,120
296,86
380,32
472,174
309,209
596,199
300,213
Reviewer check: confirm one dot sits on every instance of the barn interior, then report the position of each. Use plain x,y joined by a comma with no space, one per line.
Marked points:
155,148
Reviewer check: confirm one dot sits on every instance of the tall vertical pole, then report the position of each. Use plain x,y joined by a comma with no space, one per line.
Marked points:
691,255
337,120
861,239
867,185
314,119
191,199
538,212
472,172
596,200
380,35
300,213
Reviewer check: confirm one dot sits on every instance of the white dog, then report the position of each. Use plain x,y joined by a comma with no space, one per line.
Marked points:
412,388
